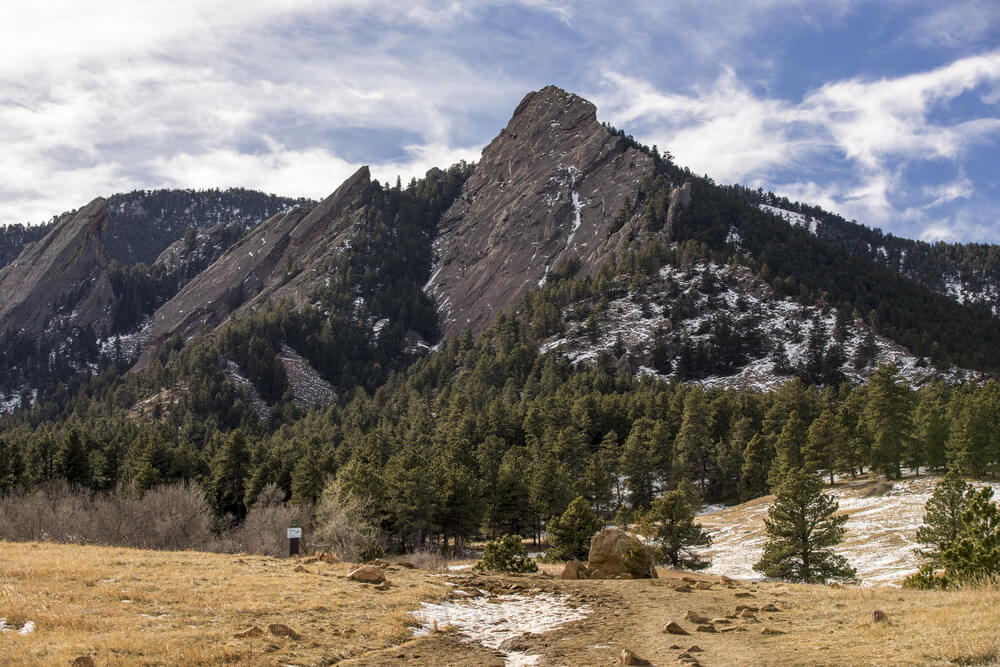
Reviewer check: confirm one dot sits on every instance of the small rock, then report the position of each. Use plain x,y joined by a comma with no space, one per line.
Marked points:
674,647
379,562
708,627
703,586
744,607
627,657
299,568
282,630
674,628
694,649
695,617
406,564
834,584
769,607
743,594
682,589
253,631
770,631
574,569
83,661
878,616
688,659
384,586
733,628
366,574
747,614
720,621
328,557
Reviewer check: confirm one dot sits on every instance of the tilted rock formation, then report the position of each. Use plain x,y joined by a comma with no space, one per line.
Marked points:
282,258
554,184
59,281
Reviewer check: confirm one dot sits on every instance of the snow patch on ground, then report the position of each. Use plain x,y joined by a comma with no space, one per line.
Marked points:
25,629
490,622
879,540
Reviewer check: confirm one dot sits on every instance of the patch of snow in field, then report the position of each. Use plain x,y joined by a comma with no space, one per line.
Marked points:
490,622
879,538
25,629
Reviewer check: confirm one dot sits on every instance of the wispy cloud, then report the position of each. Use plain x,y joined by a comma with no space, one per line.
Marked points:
876,128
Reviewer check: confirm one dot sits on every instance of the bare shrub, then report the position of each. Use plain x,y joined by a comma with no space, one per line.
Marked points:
264,530
174,516
342,524
879,488
425,560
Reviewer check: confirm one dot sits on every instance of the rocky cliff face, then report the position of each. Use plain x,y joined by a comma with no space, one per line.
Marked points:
60,281
554,184
282,258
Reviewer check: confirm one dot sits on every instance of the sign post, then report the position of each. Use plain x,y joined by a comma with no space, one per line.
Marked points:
294,535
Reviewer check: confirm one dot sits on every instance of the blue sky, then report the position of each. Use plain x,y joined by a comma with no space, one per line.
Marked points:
885,111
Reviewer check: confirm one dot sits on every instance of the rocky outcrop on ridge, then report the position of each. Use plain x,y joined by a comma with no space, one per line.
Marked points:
554,184
282,258
60,281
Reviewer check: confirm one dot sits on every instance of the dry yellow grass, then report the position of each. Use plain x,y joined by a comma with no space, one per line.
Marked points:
130,607
126,607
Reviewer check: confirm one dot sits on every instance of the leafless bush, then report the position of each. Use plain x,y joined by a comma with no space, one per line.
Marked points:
879,488
425,560
174,516
264,530
342,524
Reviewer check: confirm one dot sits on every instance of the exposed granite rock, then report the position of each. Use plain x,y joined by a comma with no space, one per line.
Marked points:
552,185
61,280
285,257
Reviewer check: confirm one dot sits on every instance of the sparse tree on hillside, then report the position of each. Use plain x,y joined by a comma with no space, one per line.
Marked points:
823,443
943,516
889,417
801,529
670,524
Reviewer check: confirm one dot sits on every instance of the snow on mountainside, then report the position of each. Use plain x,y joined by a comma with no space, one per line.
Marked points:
811,225
880,536
689,306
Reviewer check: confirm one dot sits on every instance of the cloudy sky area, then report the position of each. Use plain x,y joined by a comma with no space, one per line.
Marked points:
886,111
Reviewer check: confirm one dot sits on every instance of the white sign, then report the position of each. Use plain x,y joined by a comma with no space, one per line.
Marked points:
294,533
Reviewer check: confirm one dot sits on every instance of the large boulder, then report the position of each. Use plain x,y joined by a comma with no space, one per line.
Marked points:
615,554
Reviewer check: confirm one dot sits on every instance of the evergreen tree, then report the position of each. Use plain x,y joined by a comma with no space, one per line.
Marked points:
638,463
943,516
889,417
823,443
11,466
230,470
757,460
72,460
669,523
788,448
693,448
801,529
569,535
975,556
931,425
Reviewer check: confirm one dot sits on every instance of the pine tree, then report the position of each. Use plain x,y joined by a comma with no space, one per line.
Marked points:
823,444
801,529
757,461
669,524
931,425
788,448
888,414
230,470
569,534
693,448
943,516
974,558
72,461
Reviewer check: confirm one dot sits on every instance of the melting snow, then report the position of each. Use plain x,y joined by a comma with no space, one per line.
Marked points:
25,629
879,540
490,622
795,219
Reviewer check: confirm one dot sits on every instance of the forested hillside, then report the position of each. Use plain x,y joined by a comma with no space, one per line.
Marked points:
621,325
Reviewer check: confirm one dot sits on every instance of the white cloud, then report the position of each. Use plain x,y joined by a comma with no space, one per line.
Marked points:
875,128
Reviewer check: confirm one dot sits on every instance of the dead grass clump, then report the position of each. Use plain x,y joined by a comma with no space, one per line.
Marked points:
879,488
426,560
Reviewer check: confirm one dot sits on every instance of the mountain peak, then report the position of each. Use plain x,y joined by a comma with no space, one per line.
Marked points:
552,103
